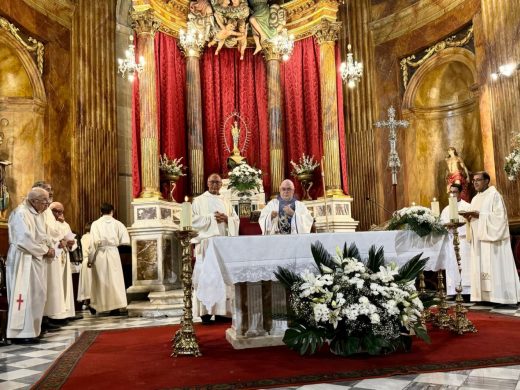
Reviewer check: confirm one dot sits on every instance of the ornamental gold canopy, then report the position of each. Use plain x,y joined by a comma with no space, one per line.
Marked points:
303,16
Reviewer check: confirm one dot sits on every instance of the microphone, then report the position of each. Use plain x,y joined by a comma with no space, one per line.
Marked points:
379,205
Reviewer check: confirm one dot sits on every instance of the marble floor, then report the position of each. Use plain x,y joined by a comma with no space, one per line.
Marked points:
21,366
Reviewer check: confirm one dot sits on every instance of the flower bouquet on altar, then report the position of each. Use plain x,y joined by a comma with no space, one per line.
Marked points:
512,166
418,219
172,168
356,306
304,172
244,179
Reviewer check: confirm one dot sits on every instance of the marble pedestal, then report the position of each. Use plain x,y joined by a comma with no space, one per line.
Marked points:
339,214
156,254
257,309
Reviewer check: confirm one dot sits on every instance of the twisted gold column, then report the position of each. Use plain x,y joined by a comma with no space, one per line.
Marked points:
194,114
274,108
145,26
326,34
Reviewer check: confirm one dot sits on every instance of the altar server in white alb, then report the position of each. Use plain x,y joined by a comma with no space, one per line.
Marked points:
493,272
29,249
452,268
285,215
213,215
60,294
107,291
85,273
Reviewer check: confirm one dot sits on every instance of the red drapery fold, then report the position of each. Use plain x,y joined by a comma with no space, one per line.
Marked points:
229,84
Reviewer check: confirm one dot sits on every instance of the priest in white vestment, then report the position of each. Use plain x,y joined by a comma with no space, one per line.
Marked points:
494,277
26,276
60,294
452,270
108,292
85,273
213,215
285,215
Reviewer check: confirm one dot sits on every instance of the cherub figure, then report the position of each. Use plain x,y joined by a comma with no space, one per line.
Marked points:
220,37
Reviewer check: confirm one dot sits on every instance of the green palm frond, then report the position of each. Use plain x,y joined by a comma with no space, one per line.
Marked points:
351,251
376,258
322,257
412,268
286,277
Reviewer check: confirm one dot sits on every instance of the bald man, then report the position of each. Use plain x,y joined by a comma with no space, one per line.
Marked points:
60,296
213,215
26,278
285,214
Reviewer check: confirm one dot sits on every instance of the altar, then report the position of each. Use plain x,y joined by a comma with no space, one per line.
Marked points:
248,263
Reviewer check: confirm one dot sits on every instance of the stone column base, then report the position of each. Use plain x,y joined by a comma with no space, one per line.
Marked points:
159,304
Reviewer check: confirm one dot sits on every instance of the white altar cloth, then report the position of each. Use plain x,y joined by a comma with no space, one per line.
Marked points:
230,260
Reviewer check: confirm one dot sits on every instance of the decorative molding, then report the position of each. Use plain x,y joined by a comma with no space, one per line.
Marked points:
269,52
461,39
326,31
32,45
302,15
145,22
410,18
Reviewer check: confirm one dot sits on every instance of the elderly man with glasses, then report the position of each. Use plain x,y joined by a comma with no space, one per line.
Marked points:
493,272
29,248
285,214
213,215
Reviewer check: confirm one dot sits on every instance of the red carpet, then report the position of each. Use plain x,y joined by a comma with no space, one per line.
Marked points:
140,359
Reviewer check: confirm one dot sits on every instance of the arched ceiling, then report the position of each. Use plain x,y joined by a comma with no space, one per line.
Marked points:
302,15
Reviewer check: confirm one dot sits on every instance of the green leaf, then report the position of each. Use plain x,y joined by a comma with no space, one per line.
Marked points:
372,344
351,251
376,259
321,256
342,345
286,277
422,333
411,269
305,339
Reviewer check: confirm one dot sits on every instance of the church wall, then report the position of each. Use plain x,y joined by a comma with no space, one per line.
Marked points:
56,126
387,90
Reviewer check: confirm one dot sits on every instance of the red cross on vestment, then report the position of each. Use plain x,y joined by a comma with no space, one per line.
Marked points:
20,301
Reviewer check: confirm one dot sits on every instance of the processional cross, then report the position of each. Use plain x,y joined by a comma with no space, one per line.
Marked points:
393,158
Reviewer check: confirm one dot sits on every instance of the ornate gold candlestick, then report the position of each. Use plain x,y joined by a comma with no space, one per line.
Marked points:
459,322
185,341
441,319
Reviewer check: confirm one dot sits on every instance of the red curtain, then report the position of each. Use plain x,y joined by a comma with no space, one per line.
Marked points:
229,84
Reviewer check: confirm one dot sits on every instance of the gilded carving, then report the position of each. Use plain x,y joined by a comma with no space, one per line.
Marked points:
327,31
270,52
29,43
145,22
453,41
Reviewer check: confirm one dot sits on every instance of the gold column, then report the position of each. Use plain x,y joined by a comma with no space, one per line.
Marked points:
145,25
497,44
358,109
193,51
274,109
94,146
326,34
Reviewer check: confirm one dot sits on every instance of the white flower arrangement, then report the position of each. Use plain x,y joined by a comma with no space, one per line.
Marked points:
418,219
305,165
171,167
355,305
244,179
512,166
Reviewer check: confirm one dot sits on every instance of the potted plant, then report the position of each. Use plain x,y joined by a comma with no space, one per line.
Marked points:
171,169
245,179
512,166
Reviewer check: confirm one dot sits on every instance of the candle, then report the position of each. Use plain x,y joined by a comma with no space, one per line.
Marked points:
186,214
436,211
454,210
413,204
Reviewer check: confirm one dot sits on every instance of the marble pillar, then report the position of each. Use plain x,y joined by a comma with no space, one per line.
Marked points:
193,52
274,109
145,25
